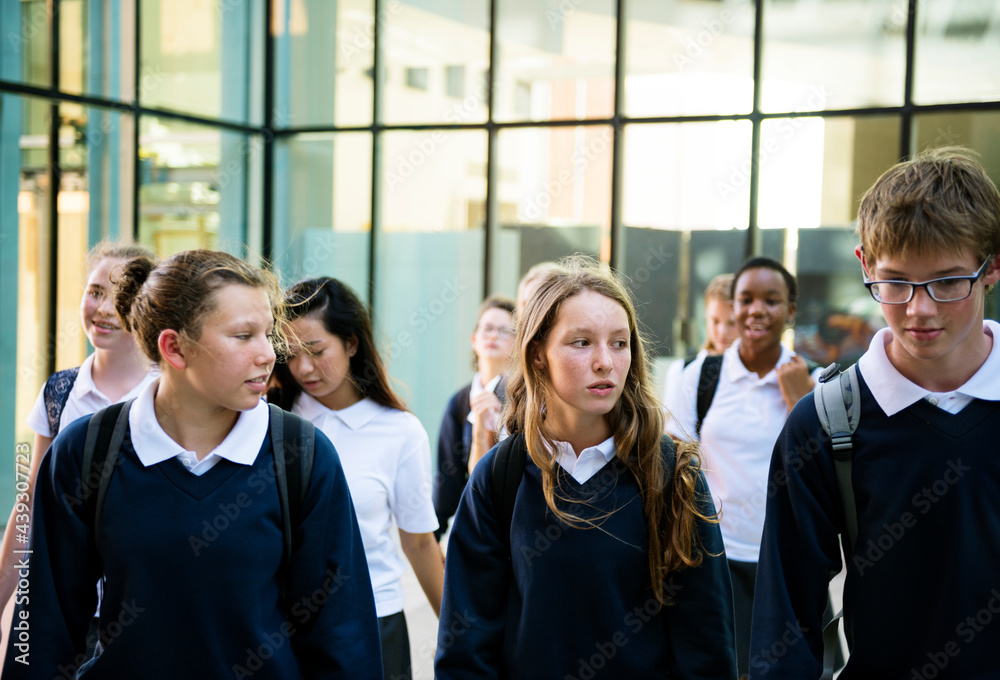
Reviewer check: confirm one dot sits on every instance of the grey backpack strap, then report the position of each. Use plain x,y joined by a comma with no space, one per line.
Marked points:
839,409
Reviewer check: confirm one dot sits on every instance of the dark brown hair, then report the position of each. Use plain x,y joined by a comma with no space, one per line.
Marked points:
344,315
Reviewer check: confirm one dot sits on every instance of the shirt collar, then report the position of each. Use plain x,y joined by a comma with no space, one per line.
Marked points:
355,416
84,383
478,388
737,371
894,392
152,445
564,451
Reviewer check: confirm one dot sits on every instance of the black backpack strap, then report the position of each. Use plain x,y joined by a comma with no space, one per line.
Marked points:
105,433
708,383
505,475
55,394
293,441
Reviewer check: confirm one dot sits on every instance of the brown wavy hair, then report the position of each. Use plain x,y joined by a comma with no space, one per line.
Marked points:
669,500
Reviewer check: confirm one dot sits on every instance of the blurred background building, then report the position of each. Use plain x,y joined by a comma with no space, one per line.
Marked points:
429,152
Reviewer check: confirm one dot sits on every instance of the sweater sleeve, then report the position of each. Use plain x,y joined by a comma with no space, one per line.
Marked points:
331,606
701,622
452,464
476,581
799,553
57,594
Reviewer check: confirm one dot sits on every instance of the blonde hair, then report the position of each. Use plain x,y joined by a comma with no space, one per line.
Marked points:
719,288
669,501
178,294
941,200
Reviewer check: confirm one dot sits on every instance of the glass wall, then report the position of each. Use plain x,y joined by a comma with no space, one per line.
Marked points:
428,152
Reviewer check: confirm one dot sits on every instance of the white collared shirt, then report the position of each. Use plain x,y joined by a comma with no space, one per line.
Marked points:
894,392
737,439
84,399
386,457
476,388
153,445
589,462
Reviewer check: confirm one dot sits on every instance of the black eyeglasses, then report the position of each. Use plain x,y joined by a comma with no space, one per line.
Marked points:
947,289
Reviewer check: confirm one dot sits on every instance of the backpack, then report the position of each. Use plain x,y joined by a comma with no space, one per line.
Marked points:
55,394
508,469
293,440
708,384
839,409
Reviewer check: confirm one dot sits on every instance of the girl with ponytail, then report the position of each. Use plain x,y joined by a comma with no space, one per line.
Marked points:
190,547
613,540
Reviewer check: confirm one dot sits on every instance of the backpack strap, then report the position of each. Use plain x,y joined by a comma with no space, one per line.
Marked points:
505,476
105,433
293,442
839,411
55,394
708,383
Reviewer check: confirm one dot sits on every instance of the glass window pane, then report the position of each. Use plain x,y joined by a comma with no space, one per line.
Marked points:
556,60
554,196
813,171
433,181
328,43
202,57
25,242
322,208
687,175
957,50
688,58
96,48
429,266
436,58
833,55
24,50
686,206
193,186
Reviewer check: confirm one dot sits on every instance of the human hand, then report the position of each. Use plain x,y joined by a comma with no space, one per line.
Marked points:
485,411
794,380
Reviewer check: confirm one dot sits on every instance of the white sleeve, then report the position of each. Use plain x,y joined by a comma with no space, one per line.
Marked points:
38,419
411,498
683,408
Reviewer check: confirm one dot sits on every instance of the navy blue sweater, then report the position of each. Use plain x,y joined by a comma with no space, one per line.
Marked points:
922,596
454,444
577,603
192,569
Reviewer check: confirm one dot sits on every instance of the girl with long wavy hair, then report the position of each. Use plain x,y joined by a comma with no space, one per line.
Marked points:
613,563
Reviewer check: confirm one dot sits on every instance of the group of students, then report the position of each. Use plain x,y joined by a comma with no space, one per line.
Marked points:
586,542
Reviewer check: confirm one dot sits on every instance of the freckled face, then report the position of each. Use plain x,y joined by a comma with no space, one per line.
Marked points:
97,309
232,358
586,358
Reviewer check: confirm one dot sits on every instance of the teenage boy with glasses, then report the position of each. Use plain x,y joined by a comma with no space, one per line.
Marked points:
924,575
